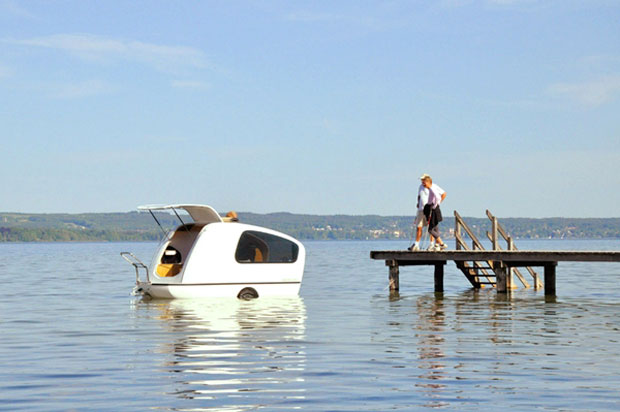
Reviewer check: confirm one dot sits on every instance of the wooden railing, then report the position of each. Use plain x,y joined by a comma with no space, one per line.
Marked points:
494,235
497,229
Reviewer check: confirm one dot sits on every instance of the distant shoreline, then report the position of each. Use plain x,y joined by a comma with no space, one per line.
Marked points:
134,226
59,242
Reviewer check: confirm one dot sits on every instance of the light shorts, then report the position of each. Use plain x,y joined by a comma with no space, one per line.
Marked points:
420,219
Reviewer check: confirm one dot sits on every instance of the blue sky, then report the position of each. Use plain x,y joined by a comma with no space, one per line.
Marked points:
311,107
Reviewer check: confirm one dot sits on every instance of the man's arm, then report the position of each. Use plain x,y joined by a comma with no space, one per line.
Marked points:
443,196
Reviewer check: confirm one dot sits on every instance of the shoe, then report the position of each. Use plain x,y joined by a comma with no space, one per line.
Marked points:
431,248
415,247
443,246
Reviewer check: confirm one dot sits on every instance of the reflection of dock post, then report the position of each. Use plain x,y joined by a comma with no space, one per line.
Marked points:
550,278
439,276
394,286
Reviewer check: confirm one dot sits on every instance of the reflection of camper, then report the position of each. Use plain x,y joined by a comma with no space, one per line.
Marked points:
231,352
215,256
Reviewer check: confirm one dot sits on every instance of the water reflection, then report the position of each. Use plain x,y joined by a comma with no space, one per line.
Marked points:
462,346
232,355
430,330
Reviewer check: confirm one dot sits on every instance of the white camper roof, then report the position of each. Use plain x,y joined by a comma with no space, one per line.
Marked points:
199,213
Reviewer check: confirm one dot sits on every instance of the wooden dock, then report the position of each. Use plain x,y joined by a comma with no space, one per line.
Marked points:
494,267
500,262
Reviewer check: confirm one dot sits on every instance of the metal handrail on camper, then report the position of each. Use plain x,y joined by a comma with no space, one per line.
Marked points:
137,264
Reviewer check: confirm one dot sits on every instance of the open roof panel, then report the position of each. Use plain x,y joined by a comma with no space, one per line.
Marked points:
199,213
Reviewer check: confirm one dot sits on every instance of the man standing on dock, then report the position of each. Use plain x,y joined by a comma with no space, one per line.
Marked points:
420,220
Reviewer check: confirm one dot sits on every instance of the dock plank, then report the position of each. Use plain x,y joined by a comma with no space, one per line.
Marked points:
510,257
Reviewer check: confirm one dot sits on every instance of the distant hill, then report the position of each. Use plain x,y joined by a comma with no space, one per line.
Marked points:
135,226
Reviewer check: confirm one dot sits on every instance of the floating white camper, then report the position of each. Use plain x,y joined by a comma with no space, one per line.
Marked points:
215,256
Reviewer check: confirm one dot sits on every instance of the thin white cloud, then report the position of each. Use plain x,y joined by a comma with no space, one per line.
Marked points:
81,89
14,9
450,4
308,16
592,93
361,20
601,62
509,2
5,72
99,48
190,84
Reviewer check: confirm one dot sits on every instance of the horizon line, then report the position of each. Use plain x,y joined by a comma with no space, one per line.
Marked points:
316,214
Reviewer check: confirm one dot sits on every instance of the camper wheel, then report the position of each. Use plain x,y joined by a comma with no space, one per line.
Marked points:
247,294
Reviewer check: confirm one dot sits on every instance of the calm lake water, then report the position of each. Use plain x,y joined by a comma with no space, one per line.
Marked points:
73,339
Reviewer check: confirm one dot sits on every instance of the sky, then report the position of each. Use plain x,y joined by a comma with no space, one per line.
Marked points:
316,107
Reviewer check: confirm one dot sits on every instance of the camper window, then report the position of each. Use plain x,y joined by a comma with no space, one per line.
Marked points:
260,247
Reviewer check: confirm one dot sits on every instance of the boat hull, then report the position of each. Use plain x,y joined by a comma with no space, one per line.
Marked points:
176,291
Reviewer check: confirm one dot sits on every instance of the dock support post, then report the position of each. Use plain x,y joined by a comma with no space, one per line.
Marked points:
393,279
501,277
550,278
439,276
509,280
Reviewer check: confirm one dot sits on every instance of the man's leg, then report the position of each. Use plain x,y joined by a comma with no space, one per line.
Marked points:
434,235
432,242
440,243
418,234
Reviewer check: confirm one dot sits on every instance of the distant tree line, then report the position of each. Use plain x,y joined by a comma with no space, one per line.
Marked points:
20,234
134,226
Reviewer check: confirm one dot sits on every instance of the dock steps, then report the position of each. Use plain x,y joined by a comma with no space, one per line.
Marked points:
485,268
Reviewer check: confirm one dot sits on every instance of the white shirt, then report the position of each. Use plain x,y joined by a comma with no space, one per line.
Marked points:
424,194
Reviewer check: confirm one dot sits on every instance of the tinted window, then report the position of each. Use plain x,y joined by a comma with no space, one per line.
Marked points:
259,247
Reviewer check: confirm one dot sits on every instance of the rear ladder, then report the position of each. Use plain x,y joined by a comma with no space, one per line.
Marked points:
137,264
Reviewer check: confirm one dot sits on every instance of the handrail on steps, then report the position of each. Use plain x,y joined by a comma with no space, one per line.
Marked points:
137,264
493,237
496,231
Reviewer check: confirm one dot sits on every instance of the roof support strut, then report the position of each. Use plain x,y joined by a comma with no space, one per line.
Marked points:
158,224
